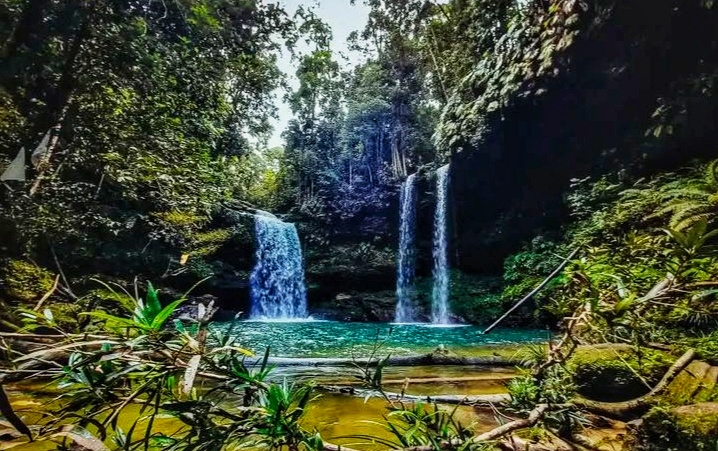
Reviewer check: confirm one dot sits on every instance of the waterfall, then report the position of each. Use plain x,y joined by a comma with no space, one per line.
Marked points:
277,280
440,294
407,253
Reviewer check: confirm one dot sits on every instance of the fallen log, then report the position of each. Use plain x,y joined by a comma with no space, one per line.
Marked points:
636,407
497,398
427,359
440,380
468,400
496,433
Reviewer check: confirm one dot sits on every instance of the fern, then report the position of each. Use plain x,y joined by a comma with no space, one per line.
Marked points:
691,200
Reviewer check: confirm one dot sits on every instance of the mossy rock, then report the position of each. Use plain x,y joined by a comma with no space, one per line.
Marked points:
688,384
698,382
67,316
616,372
25,281
687,428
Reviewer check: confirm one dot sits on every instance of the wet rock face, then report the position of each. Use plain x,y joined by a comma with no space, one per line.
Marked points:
357,306
511,185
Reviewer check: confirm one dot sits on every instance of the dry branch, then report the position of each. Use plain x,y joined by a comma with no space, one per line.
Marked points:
48,294
534,291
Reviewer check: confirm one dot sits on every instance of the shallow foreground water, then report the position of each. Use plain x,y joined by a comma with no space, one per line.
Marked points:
336,416
338,339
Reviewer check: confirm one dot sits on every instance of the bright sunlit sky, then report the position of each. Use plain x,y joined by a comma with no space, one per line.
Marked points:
343,18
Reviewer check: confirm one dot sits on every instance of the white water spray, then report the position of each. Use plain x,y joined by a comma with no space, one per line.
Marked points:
440,294
407,253
277,280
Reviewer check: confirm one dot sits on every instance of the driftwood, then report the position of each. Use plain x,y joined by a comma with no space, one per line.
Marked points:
427,359
439,399
636,407
496,433
48,294
433,380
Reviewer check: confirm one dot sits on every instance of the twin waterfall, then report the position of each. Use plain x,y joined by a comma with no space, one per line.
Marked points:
407,252
277,280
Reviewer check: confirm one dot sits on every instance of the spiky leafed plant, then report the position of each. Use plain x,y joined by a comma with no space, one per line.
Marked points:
691,200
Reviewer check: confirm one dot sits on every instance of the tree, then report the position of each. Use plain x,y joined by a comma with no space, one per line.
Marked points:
150,102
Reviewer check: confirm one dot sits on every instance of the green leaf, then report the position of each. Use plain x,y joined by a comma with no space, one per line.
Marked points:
153,302
165,313
116,320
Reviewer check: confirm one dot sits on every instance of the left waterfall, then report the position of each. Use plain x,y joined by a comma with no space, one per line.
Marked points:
277,280
407,254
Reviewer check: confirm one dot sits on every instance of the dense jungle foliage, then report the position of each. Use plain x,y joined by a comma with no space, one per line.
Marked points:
576,128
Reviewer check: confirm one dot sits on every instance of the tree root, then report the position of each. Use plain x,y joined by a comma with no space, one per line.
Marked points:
636,407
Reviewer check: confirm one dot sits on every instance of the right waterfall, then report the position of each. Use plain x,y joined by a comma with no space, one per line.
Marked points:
440,293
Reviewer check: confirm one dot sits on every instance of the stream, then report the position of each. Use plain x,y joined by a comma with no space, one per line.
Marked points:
338,416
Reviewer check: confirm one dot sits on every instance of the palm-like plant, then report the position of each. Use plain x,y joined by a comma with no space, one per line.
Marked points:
147,314
167,372
692,200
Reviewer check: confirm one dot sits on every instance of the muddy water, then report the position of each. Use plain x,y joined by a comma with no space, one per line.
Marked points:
336,416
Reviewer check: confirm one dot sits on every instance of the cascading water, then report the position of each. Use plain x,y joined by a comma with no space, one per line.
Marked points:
407,254
440,294
277,280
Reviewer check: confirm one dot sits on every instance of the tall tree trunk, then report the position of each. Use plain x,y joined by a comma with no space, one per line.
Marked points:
401,153
60,99
437,70
30,19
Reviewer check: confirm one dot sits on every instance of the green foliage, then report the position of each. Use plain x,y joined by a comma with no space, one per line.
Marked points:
278,426
524,270
422,424
692,199
706,346
472,297
26,281
153,107
524,392
148,315
640,278
355,257
112,372
520,49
